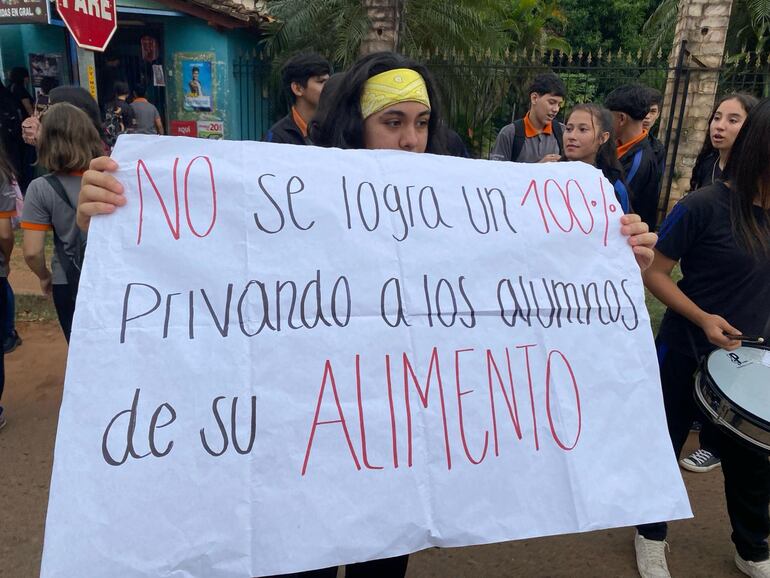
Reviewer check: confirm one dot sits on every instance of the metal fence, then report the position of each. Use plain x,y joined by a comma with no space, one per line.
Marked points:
480,93
257,95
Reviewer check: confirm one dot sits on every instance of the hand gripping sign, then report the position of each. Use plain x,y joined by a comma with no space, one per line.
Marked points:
286,358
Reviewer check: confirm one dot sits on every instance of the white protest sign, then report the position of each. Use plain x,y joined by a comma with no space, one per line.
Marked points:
286,358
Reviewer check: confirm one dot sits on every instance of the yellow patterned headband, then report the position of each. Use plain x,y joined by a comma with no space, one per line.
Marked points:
391,87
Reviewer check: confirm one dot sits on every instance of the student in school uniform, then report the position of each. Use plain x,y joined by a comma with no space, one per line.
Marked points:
67,143
148,119
656,102
304,77
537,137
629,105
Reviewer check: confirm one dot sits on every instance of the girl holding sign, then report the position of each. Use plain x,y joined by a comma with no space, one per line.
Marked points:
721,235
385,101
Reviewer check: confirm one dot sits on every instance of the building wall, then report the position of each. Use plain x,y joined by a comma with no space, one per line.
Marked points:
19,40
703,25
192,40
184,37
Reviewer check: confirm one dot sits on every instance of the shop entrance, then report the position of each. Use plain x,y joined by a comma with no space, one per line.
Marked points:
135,48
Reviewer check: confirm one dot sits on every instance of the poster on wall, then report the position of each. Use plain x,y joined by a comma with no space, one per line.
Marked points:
211,129
46,71
197,82
24,11
150,48
45,66
195,90
158,75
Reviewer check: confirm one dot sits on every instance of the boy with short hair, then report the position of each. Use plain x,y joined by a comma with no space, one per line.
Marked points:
148,119
536,138
656,102
629,105
303,77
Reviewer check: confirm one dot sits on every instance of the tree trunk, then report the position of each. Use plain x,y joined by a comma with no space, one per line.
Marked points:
385,18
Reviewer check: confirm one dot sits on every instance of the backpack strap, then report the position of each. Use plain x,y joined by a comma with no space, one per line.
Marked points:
621,192
634,166
558,134
58,188
519,137
71,263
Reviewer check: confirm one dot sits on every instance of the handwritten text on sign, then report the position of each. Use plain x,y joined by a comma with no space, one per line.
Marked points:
315,357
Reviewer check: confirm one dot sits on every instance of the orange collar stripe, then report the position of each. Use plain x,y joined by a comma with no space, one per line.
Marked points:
624,148
299,121
530,130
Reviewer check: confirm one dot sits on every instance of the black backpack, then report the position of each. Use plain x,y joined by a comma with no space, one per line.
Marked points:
520,136
113,125
70,260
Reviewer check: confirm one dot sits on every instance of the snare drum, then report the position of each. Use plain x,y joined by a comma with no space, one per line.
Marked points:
733,390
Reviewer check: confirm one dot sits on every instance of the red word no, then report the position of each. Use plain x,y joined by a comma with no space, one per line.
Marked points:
174,224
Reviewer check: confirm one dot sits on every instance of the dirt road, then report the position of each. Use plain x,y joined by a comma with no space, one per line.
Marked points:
699,547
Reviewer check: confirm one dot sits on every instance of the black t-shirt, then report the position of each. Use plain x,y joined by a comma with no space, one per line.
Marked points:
719,275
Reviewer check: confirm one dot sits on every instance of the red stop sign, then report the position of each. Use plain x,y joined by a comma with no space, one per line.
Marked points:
91,22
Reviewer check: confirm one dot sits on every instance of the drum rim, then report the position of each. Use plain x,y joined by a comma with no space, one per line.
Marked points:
703,370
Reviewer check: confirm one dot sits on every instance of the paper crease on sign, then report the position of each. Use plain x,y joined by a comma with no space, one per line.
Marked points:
199,519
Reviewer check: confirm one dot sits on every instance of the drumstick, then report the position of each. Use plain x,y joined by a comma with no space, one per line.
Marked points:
747,338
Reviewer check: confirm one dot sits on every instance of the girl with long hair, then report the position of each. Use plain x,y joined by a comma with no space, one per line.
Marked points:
360,116
720,235
725,123
67,143
589,137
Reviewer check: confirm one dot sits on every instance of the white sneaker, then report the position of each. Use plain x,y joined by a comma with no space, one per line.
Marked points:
753,569
651,557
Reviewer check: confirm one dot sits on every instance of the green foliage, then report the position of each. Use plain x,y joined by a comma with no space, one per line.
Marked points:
34,308
529,24
658,30
606,24
337,28
461,26
750,21
749,26
582,88
655,307
334,28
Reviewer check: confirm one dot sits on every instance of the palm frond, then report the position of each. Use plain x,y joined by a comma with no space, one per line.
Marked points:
759,12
